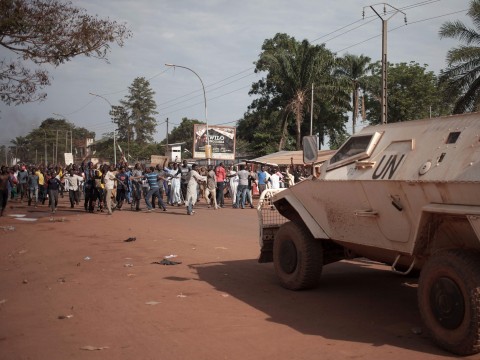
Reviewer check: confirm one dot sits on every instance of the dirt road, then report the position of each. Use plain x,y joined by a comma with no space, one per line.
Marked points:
70,283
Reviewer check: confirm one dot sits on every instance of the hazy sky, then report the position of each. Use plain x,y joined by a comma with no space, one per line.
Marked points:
220,40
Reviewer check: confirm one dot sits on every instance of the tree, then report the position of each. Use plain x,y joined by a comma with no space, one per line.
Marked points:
48,32
140,105
353,69
413,93
121,118
20,147
462,75
183,133
263,132
291,68
45,138
283,96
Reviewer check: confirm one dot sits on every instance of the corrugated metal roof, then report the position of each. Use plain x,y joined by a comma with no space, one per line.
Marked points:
286,157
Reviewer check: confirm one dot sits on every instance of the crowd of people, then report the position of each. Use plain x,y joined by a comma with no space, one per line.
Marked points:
104,187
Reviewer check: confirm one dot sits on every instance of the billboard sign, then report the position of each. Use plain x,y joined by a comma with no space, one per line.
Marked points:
221,139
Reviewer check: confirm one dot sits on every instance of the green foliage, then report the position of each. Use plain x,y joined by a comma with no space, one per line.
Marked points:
53,136
413,93
353,70
140,106
279,115
183,133
47,32
291,68
461,78
121,118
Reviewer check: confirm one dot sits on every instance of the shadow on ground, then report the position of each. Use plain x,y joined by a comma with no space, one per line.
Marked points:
355,302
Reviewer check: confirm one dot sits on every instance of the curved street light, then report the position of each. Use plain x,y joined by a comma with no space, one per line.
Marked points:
114,131
208,150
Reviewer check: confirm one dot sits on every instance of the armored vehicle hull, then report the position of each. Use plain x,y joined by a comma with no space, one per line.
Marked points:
405,194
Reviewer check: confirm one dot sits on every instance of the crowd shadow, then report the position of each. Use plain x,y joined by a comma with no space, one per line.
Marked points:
354,302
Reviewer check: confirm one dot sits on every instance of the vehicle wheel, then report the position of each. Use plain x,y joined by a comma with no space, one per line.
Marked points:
449,300
297,257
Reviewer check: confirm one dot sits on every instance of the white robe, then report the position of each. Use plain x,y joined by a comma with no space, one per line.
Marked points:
233,185
192,187
175,197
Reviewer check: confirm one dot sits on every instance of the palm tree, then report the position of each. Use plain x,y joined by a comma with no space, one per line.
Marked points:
293,67
462,76
20,144
353,70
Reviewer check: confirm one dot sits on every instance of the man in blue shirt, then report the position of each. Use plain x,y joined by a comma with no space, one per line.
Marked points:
152,179
262,177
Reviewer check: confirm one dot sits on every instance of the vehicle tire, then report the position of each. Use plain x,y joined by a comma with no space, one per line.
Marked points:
297,257
449,300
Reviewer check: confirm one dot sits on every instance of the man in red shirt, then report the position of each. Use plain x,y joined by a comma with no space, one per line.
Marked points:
221,176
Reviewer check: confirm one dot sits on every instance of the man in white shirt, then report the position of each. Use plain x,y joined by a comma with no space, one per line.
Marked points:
274,180
72,182
109,185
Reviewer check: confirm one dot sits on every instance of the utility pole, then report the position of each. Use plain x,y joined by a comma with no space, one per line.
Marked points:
311,115
167,134
115,147
56,149
385,19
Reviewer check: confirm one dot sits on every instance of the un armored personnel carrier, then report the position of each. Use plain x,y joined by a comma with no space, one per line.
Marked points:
405,194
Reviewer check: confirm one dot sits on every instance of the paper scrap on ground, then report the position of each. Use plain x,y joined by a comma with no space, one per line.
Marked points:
17,215
61,317
26,219
152,303
167,262
93,348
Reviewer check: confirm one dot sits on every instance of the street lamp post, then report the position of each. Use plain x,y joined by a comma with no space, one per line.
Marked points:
115,146
114,131
208,149
45,146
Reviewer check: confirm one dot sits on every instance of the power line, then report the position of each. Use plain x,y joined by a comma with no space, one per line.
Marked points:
422,3
208,85
411,6
212,90
210,99
407,7
398,27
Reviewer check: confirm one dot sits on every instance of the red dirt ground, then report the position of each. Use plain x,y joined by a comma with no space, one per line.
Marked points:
219,303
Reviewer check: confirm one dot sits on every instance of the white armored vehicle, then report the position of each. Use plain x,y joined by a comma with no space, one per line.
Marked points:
405,194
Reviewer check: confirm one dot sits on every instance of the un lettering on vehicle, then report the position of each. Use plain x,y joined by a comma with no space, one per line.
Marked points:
388,166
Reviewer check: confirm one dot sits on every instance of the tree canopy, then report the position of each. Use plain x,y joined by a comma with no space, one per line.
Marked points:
140,108
183,133
354,70
53,137
48,32
462,75
283,96
413,93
